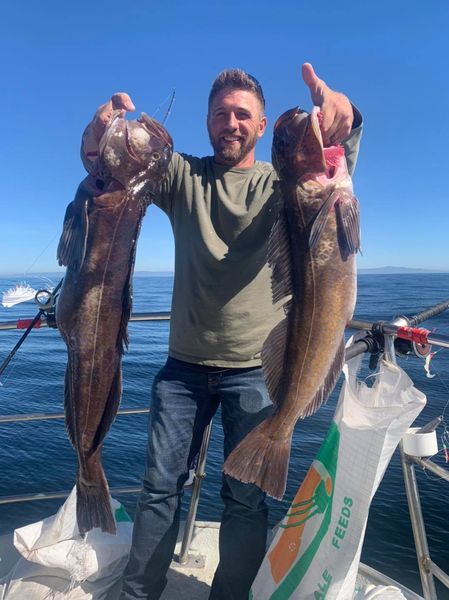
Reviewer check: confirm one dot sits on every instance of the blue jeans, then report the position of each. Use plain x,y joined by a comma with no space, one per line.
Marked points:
185,397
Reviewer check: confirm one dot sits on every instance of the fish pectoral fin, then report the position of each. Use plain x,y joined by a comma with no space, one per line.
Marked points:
279,258
273,359
73,241
321,217
348,223
328,384
110,409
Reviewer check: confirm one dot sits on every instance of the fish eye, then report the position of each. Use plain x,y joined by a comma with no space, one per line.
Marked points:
156,155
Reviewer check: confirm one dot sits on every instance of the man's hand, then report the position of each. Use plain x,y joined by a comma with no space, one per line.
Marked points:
335,108
93,132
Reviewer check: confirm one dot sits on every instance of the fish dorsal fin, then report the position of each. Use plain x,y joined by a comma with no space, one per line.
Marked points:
274,347
328,384
273,355
279,258
320,220
348,222
73,241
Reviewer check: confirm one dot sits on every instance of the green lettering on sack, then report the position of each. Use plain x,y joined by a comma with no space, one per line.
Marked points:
323,586
328,457
343,522
336,543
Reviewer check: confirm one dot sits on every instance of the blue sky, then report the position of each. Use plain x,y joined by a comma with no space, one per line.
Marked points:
61,60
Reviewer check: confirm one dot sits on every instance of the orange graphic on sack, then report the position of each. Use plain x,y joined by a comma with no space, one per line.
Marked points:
312,498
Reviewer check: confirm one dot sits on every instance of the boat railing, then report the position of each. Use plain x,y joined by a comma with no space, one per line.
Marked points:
44,319
380,338
428,569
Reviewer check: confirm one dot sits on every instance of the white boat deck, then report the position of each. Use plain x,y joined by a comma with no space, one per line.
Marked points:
185,582
193,580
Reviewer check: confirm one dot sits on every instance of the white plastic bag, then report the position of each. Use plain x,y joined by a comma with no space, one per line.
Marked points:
57,559
316,551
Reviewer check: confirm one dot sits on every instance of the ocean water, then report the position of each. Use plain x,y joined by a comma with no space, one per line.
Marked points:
37,456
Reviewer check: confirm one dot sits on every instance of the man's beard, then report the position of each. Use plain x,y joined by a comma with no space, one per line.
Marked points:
233,154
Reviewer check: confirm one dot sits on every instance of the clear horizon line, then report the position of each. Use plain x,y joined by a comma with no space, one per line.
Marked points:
171,272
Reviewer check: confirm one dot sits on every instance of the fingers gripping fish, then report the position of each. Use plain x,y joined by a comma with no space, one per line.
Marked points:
311,251
98,246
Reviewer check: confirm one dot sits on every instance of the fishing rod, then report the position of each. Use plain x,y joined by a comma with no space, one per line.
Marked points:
46,301
402,328
46,318
46,322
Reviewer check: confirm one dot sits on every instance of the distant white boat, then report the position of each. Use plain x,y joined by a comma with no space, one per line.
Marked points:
21,292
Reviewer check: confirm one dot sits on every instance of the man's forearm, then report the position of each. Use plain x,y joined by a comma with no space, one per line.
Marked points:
352,143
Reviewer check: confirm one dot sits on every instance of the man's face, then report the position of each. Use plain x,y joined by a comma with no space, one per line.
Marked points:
235,122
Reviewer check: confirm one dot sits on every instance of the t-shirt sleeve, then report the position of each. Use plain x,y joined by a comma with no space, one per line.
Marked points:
352,143
164,198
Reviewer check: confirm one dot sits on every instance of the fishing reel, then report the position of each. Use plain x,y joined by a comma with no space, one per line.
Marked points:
375,342
406,347
46,301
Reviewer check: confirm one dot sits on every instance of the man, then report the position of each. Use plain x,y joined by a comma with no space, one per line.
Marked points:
221,209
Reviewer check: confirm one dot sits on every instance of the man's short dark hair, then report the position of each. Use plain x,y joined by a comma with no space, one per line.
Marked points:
238,80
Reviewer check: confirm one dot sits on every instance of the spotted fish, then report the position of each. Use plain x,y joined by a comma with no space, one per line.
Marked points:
311,251
98,246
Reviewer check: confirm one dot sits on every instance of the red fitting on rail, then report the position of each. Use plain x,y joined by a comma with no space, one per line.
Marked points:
414,334
25,323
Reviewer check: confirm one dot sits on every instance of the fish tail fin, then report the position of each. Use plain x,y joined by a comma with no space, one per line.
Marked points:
261,458
93,502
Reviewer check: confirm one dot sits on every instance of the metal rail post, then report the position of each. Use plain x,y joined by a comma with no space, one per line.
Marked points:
193,506
418,528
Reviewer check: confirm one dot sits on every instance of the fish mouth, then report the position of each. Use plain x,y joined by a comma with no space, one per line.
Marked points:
315,122
128,146
154,128
298,150
131,146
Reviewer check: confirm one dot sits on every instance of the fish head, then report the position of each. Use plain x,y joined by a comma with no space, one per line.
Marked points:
298,145
131,148
299,153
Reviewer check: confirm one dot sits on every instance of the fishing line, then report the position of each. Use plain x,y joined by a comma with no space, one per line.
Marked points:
444,437
445,434
11,370
168,111
43,251
446,388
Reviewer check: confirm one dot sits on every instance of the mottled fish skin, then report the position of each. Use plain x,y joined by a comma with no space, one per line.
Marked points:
98,246
312,254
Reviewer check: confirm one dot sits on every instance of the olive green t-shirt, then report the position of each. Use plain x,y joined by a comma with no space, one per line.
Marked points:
222,308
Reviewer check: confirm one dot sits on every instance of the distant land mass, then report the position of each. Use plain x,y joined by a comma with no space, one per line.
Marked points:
396,271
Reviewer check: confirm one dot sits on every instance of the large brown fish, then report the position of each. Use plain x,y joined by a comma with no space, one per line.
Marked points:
311,251
98,246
